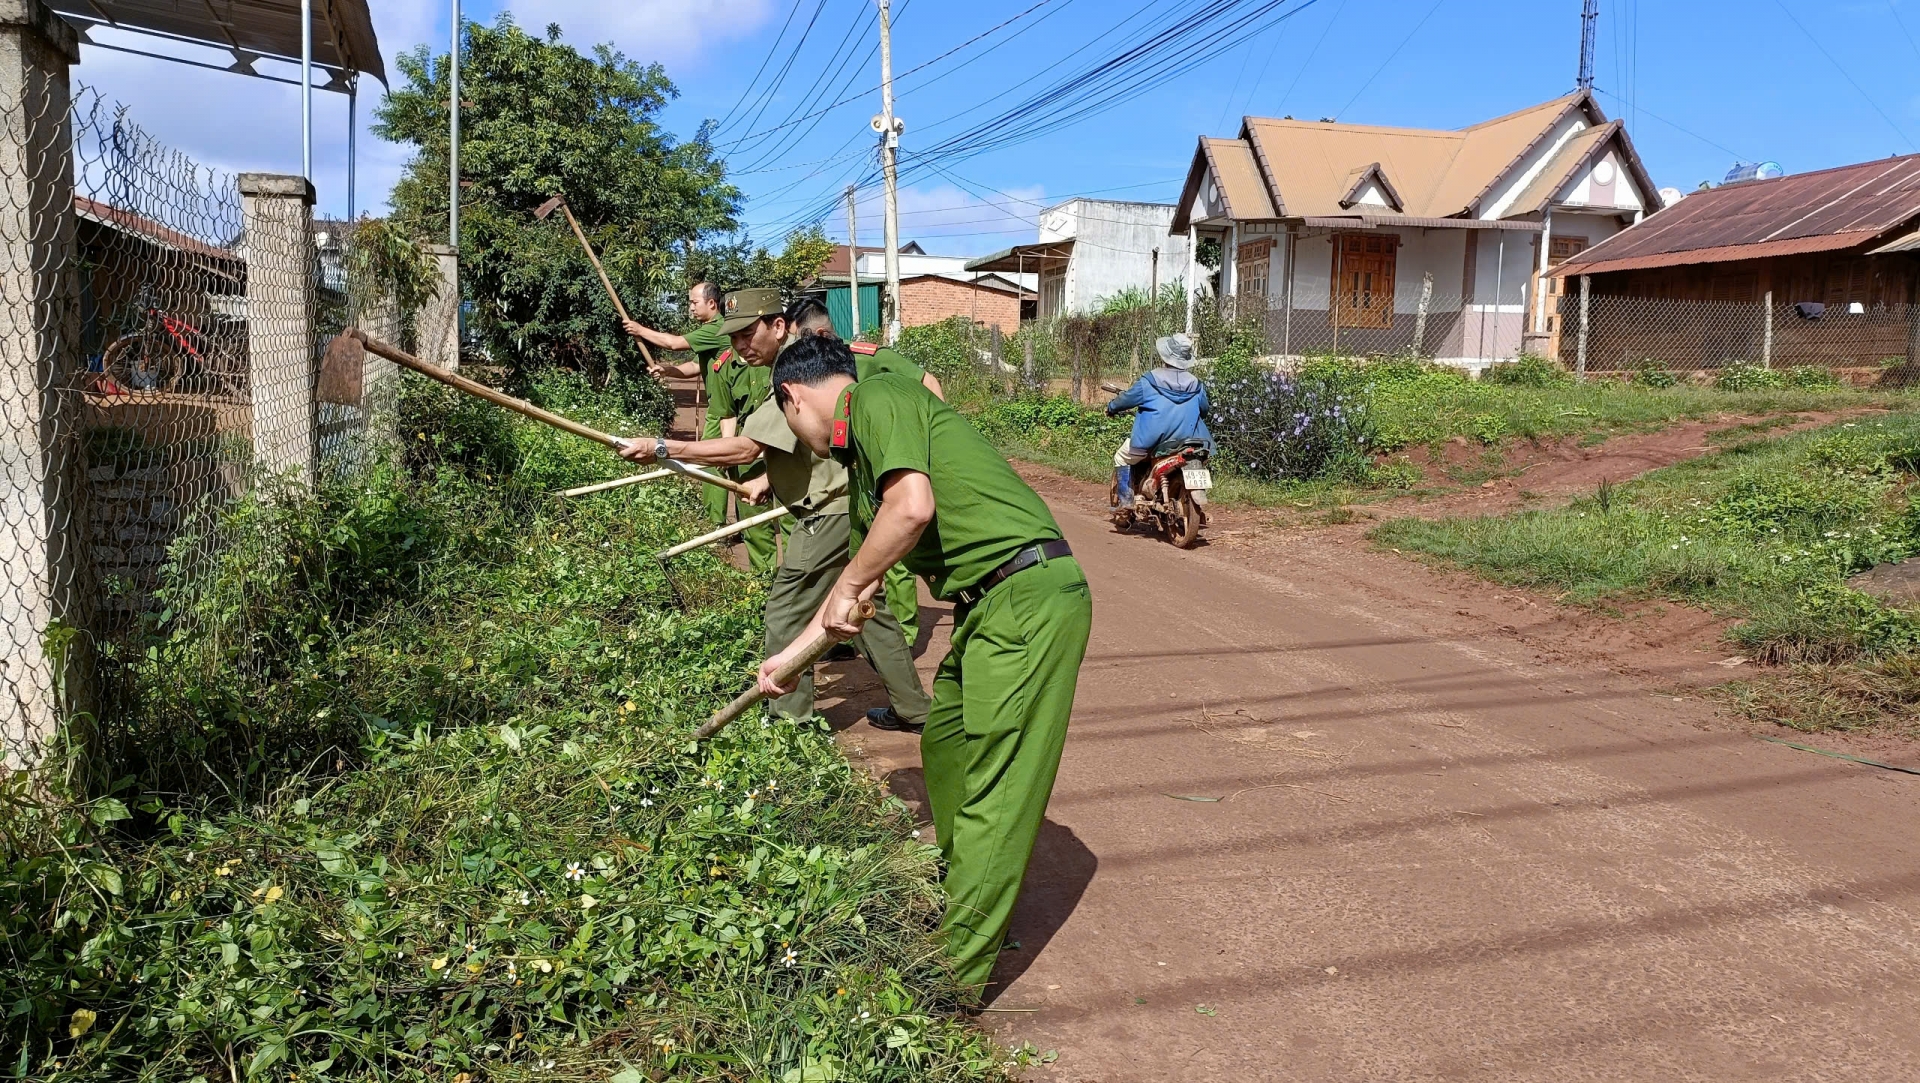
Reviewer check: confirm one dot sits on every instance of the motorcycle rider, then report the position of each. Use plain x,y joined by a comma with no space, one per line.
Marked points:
1172,405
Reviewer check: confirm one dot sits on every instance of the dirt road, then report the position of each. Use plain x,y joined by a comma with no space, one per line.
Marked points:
1431,848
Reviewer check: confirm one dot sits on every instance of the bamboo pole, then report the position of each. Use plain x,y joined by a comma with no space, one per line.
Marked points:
785,675
601,487
724,532
479,390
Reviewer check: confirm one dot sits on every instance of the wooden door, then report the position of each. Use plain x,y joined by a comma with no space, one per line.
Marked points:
1363,270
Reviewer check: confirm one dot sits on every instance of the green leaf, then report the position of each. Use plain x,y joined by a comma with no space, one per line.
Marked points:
104,877
511,736
629,1075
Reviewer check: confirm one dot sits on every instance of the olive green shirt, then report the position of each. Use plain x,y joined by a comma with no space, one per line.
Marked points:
707,340
871,360
807,484
983,512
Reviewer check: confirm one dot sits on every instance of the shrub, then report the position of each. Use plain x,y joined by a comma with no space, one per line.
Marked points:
1742,376
1272,427
1648,372
1811,378
1528,370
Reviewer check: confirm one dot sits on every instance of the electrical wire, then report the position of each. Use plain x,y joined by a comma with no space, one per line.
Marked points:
721,124
1844,73
1389,60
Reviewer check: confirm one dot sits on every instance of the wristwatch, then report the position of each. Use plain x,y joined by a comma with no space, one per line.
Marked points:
659,449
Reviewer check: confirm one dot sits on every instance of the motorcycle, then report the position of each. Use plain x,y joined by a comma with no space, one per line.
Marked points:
1171,498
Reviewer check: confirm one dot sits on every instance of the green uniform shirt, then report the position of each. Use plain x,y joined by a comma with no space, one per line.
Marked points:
984,513
747,387
709,345
807,484
872,360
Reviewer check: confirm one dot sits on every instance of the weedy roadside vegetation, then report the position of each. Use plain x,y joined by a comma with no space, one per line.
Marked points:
1338,430
1766,530
407,793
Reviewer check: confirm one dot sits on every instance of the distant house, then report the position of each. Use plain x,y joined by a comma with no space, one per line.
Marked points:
932,288
1825,266
1373,239
1092,249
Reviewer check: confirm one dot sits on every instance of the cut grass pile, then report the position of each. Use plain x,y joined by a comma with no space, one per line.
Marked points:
409,795
1766,530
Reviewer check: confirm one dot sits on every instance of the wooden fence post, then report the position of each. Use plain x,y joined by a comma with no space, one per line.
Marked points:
1420,314
1766,333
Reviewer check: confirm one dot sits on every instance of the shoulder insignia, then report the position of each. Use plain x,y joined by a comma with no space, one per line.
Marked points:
867,348
721,361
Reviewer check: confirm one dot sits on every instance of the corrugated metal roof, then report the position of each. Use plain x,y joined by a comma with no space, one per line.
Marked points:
1805,212
343,35
1793,246
1023,257
1909,243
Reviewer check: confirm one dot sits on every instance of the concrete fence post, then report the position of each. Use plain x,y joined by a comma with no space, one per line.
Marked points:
1420,314
1766,332
438,321
1580,352
42,498
281,352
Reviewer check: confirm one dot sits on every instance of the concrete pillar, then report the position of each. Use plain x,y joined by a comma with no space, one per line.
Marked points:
42,503
438,322
281,350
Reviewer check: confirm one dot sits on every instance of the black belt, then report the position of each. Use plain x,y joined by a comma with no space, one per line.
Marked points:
1021,561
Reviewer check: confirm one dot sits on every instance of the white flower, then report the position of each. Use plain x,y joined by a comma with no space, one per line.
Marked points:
655,790
575,872
526,898
789,958
1673,547
866,1015
773,784
646,802
916,832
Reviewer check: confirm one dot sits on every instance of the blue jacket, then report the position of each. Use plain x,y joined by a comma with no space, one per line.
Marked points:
1173,410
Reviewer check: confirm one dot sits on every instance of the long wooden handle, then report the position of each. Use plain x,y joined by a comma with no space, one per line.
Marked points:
565,424
604,280
795,666
631,479
727,531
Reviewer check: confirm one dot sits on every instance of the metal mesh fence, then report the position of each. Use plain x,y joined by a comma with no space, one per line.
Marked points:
1858,342
162,323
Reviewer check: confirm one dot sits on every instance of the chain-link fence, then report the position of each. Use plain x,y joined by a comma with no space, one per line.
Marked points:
162,326
1859,343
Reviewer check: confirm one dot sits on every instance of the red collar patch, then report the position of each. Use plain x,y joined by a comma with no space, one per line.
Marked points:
867,348
840,416
721,361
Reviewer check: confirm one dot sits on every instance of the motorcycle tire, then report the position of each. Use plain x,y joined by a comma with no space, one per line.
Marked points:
1183,527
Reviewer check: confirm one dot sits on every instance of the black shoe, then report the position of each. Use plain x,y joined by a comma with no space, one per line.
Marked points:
840,652
884,718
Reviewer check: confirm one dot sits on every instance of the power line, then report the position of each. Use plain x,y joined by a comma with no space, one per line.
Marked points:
1848,76
1894,9
1675,127
793,54
1315,51
761,70
1389,59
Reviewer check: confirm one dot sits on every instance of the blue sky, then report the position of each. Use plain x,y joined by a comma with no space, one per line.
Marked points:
1807,83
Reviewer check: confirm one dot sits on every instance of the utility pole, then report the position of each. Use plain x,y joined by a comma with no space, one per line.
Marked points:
890,127
853,265
1589,19
453,136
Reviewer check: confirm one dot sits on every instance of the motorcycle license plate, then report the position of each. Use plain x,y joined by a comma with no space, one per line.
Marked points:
1197,477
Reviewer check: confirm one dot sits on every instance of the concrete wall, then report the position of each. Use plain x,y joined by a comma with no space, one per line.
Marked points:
1114,246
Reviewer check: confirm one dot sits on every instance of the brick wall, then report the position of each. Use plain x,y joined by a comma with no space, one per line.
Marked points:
930,300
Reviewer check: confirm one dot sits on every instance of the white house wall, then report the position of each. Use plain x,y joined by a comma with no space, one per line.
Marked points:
1501,199
1113,248
1625,195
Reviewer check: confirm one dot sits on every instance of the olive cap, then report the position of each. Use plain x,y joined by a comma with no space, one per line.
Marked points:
742,307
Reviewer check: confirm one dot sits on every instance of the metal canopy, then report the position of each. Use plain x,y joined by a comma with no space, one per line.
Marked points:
1024,257
247,30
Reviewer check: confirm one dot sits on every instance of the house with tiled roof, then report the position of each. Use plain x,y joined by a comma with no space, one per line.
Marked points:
1368,239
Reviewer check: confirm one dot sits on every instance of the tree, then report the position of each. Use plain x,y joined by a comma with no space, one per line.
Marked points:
741,264
539,118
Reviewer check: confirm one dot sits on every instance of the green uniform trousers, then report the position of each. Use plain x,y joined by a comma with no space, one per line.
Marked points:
903,597
816,555
761,544
1001,700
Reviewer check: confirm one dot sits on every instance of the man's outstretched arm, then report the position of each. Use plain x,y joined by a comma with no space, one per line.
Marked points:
726,451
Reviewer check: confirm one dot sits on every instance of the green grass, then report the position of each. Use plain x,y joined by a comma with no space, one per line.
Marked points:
405,791
1766,531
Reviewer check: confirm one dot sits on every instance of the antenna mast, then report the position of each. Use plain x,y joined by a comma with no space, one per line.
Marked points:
1589,19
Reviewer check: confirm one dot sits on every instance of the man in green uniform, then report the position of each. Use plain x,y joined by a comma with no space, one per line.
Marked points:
932,492
808,317
814,489
732,387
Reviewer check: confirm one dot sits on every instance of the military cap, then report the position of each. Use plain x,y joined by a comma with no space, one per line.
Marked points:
742,307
